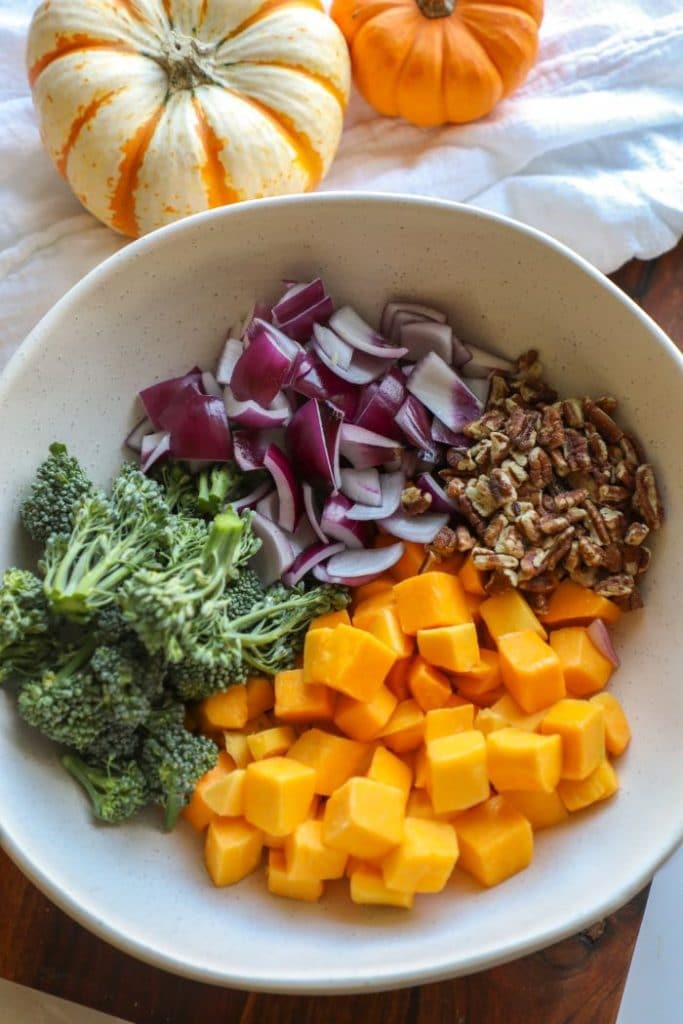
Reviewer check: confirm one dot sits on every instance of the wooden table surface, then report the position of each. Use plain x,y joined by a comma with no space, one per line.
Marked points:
579,980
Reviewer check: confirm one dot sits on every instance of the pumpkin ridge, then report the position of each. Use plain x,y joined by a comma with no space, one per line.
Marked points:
213,172
70,44
122,202
477,28
319,79
264,10
133,11
78,124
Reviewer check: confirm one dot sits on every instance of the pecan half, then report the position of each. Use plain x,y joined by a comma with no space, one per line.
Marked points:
620,585
647,499
414,501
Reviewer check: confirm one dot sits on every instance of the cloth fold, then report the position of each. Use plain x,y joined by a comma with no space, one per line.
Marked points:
589,150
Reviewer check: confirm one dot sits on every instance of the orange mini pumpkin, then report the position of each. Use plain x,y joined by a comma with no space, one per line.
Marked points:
439,61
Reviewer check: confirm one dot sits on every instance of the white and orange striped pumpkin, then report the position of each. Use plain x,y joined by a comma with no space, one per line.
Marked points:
156,109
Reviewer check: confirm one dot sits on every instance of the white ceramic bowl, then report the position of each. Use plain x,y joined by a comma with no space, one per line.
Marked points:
164,303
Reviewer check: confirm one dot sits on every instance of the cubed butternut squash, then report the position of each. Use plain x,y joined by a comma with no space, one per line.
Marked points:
523,760
277,794
457,774
405,729
299,701
237,747
424,859
509,612
366,886
455,648
382,585
270,742
573,605
348,660
472,579
495,841
364,818
281,883
383,623
429,687
232,850
391,770
581,727
364,719
599,785
586,670
334,759
531,670
617,729
331,619
260,696
397,679
307,856
197,812
419,805
488,720
446,721
224,795
509,710
431,600
411,561
225,710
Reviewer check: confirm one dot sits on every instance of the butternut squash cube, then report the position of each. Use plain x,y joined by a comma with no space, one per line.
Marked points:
541,809
334,759
446,721
277,794
391,770
307,856
297,701
270,742
472,578
421,768
581,727
224,795
509,612
531,670
457,775
488,720
367,887
474,603
455,648
599,785
523,760
510,711
573,605
397,679
281,883
232,850
197,812
419,805
495,841
331,619
364,719
411,561
586,670
429,687
226,710
424,859
347,659
382,585
260,696
483,677
237,747
431,600
364,818
382,622
617,729
405,729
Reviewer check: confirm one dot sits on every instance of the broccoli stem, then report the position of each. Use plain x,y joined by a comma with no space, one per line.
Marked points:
93,781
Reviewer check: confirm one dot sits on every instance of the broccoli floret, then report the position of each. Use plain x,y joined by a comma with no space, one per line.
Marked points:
205,493
164,606
216,486
243,595
122,682
179,487
60,486
23,608
63,702
117,741
173,760
202,674
116,792
111,538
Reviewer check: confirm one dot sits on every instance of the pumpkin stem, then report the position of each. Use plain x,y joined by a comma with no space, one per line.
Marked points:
436,8
185,63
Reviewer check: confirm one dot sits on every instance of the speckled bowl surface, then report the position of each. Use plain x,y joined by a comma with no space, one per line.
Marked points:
163,304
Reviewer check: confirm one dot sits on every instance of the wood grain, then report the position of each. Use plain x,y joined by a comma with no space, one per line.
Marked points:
577,981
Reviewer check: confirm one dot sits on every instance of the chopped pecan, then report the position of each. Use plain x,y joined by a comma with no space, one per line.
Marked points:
529,522
545,583
464,539
414,501
502,486
646,498
620,585
602,421
562,542
479,493
636,533
612,559
540,602
631,602
527,365
445,544
532,563
572,412
498,390
516,471
481,454
510,542
624,474
551,433
573,557
607,403
615,521
487,560
576,515
585,576
456,491
493,530
631,451
596,523
500,446
597,448
552,523
612,494
576,450
560,464
569,499
540,467
522,429
590,552
636,560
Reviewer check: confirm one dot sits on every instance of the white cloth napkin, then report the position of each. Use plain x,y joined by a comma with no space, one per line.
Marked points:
590,150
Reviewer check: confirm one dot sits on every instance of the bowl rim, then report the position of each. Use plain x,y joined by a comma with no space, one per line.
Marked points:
394,976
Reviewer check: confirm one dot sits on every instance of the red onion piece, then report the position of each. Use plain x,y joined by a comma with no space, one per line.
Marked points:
415,309
380,403
420,529
309,558
298,298
442,435
301,325
269,506
416,424
288,489
262,369
461,353
154,447
337,525
392,484
480,387
259,312
362,486
312,512
363,448
337,351
369,562
276,553
422,337
443,392
482,363
198,425
158,397
249,448
440,500
254,498
232,350
312,440
253,416
210,385
360,335
317,381
599,634
363,368
138,433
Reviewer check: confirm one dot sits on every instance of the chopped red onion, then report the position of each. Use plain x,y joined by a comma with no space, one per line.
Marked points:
297,299
269,506
416,310
154,447
461,353
337,351
426,336
363,448
138,433
312,439
416,424
198,425
380,403
480,387
232,350
357,333
262,369
254,498
392,484
362,485
482,363
158,397
440,500
362,370
301,325
276,553
308,559
312,512
288,489
420,529
210,385
599,634
337,524
369,562
442,435
252,415
443,392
